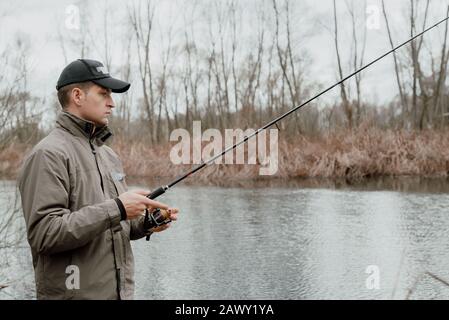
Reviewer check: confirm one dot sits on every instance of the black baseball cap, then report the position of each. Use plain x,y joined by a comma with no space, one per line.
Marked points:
82,70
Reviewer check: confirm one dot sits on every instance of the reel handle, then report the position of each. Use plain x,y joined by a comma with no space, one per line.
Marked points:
157,218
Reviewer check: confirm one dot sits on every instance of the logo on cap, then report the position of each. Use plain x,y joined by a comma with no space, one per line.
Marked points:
102,70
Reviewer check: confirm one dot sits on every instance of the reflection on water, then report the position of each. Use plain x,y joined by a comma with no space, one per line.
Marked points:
403,184
295,241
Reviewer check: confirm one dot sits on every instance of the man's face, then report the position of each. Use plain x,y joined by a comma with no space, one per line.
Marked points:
96,105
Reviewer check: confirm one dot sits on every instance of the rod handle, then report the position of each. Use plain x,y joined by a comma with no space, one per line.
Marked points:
156,193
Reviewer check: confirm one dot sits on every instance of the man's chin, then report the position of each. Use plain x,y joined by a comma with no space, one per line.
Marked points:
102,122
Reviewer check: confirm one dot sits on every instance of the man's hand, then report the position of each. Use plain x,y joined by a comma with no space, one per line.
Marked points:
173,216
135,202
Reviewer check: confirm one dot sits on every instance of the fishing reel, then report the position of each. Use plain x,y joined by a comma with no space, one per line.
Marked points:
157,218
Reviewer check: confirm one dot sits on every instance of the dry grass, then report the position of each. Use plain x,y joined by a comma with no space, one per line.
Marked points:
11,158
362,153
368,153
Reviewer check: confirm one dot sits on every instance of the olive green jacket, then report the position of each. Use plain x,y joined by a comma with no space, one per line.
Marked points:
80,247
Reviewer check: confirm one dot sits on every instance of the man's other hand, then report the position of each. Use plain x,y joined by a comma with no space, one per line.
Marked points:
173,216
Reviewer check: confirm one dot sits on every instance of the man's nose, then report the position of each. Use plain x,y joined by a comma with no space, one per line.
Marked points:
111,103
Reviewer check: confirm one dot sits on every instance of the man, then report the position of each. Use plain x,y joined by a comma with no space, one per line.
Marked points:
79,215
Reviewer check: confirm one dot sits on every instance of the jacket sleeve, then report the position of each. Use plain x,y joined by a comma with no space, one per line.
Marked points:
51,227
137,230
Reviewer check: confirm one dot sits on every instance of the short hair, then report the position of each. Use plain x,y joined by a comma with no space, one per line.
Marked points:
64,92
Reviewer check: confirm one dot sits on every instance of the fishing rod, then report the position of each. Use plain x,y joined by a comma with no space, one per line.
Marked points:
160,217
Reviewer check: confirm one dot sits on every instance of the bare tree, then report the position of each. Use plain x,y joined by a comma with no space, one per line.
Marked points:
162,83
223,68
190,84
142,26
19,117
251,74
357,62
399,82
442,75
233,54
12,232
346,105
286,61
417,78
215,91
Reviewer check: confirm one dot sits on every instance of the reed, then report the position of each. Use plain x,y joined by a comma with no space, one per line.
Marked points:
364,152
361,153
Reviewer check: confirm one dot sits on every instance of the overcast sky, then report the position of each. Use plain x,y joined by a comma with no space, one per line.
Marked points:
41,21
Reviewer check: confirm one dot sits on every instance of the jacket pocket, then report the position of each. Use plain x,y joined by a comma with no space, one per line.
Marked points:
118,180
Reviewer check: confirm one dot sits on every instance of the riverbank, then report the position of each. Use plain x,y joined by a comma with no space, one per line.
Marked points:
354,155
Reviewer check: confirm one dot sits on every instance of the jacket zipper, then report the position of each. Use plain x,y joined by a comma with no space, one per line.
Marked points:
117,270
94,152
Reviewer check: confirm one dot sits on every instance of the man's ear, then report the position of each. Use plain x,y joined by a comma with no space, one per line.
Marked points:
77,96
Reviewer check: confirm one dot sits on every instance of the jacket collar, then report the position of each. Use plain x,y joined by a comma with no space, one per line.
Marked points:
83,128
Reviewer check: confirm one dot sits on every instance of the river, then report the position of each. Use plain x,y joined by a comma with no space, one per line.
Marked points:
286,241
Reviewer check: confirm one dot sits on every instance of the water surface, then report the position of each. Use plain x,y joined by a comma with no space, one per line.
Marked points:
297,241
